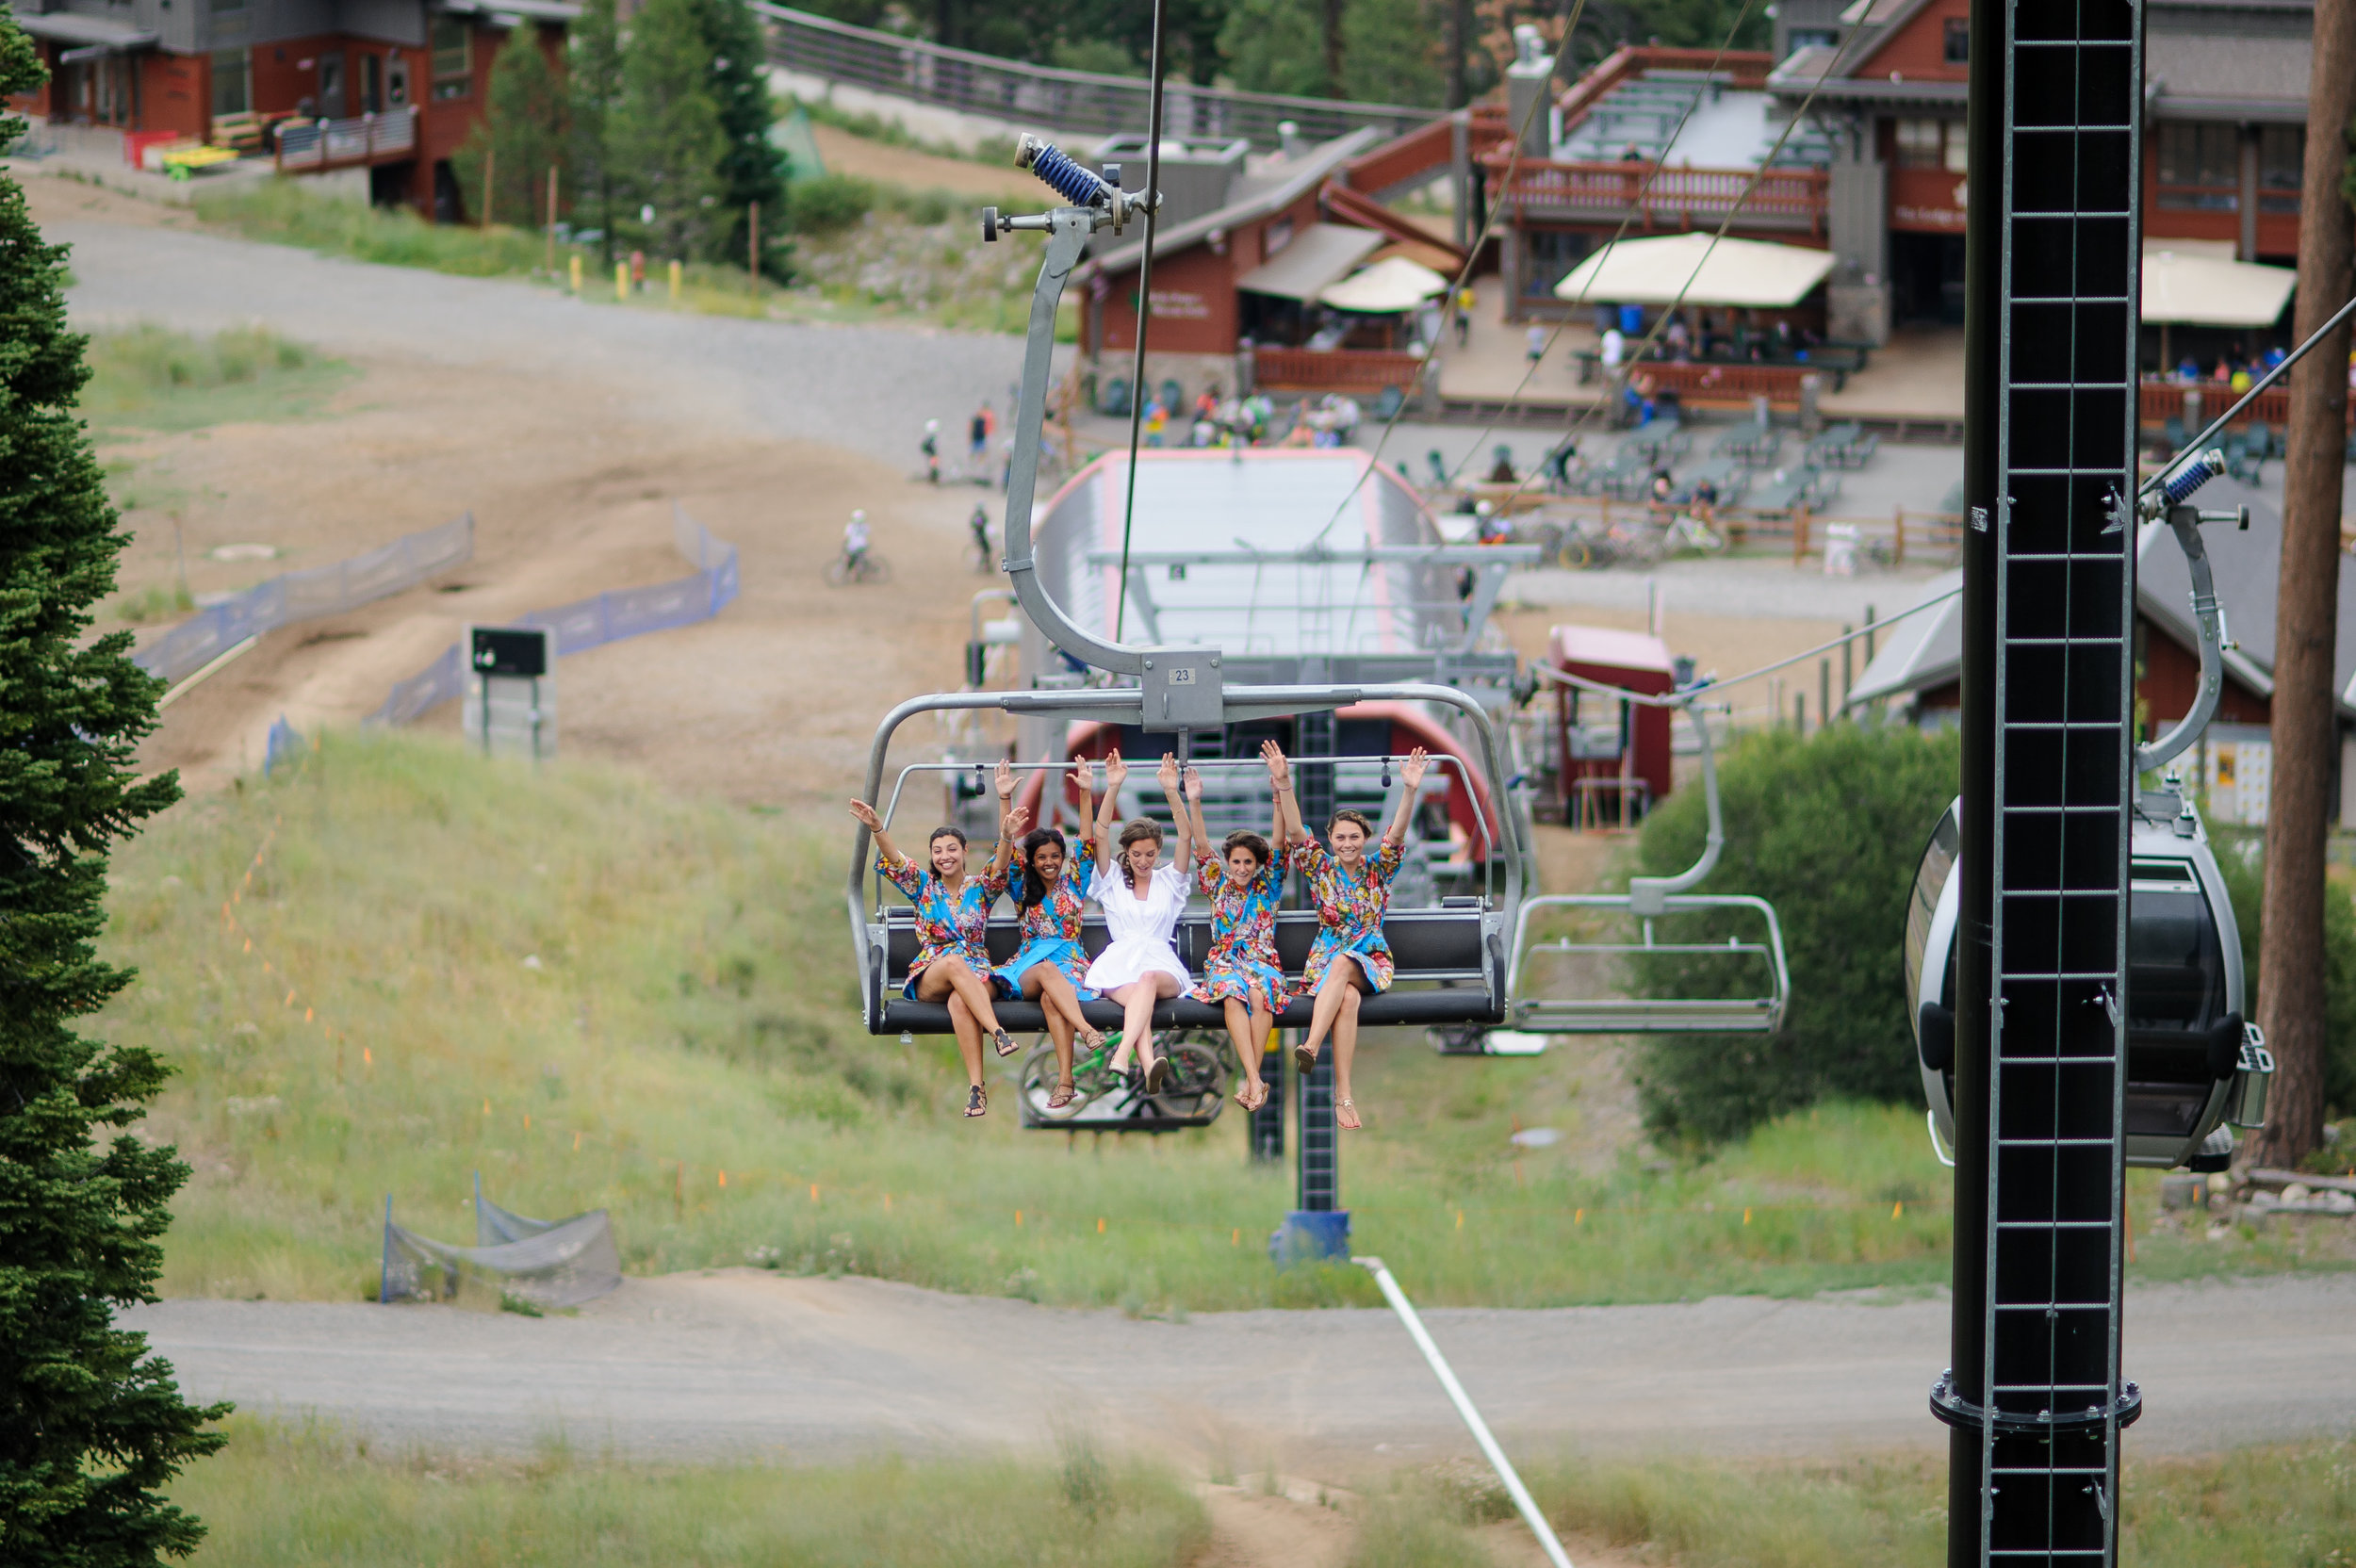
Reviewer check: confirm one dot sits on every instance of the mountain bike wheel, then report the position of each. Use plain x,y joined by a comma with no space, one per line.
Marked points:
1198,1082
838,572
873,568
1575,554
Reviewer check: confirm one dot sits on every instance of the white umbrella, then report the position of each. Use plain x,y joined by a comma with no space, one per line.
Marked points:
2210,291
1689,267
1387,288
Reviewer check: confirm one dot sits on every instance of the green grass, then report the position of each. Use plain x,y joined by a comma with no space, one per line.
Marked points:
278,1497
149,378
598,995
281,210
2287,1507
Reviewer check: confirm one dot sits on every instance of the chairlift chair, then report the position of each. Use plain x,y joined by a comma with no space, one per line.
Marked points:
1649,900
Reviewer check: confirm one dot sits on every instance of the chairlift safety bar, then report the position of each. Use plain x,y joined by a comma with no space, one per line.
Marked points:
1640,1015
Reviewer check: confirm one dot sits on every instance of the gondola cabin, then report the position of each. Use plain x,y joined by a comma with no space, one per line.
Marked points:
2195,1063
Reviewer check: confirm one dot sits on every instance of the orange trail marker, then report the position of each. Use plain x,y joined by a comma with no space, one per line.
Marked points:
1018,1220
576,1143
528,1126
1100,1226
306,1015
290,999
367,1057
487,1107
1460,1219
1234,1237
1579,1217
724,1178
1898,1210
249,944
886,1202
813,1192
1746,1216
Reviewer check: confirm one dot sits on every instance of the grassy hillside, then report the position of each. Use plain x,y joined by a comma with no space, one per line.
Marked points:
396,964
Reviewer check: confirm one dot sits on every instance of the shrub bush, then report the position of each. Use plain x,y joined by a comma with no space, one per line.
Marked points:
2242,858
1828,829
831,202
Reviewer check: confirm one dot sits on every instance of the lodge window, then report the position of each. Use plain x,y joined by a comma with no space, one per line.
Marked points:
1548,257
228,18
233,91
2200,167
453,58
1812,37
2282,167
1958,41
1931,144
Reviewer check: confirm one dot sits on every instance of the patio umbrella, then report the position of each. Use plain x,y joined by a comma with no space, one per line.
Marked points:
1387,288
2191,290
1689,267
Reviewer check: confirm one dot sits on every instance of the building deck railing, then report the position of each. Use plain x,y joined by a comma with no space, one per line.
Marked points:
1335,370
1079,102
310,146
1673,199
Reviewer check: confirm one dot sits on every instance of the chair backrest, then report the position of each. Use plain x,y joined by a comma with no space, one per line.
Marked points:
1114,400
1388,405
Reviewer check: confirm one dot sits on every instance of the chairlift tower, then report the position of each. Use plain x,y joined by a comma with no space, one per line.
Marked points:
2034,1398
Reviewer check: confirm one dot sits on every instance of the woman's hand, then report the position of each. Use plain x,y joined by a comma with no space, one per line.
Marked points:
1411,772
866,815
1279,772
1018,818
1167,774
1006,781
1083,780
1116,773
1194,787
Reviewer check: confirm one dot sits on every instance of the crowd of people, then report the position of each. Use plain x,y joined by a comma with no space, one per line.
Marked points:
1120,868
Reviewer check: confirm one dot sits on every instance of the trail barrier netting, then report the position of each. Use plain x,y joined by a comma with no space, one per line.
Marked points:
549,1262
307,596
593,622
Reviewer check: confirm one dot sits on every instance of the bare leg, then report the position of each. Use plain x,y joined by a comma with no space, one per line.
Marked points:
1060,1004
1246,1027
1136,1000
1345,1047
1331,991
943,976
969,1039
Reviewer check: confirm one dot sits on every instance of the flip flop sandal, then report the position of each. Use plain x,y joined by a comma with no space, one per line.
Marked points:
1249,1101
1305,1058
1157,1076
977,1102
1350,1106
1005,1043
1092,1038
1066,1092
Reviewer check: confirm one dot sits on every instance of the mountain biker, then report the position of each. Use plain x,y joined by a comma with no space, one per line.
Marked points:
931,447
979,523
855,541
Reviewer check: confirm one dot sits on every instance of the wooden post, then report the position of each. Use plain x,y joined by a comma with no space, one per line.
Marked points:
1799,534
1898,549
490,167
621,281
551,219
752,247
676,277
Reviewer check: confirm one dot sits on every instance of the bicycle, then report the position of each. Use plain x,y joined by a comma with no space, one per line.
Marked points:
866,566
1197,1088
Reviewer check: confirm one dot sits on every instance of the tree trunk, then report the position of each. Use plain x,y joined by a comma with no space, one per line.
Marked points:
1459,54
2291,996
1334,48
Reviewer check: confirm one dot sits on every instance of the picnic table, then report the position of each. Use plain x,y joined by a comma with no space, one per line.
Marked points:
1753,443
1658,442
1791,489
1845,445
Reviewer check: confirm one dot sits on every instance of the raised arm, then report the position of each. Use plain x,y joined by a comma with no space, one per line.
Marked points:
1411,781
1279,778
1171,779
867,819
1012,819
1109,814
1194,811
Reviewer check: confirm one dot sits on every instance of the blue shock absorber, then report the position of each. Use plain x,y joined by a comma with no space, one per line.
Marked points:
2178,487
1071,182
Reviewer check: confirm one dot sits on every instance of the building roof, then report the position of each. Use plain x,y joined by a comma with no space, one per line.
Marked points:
1318,257
74,29
1608,647
1267,190
536,10
2214,76
1927,650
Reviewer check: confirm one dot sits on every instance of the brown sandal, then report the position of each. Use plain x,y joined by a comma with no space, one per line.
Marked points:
1066,1092
1305,1058
977,1102
1005,1043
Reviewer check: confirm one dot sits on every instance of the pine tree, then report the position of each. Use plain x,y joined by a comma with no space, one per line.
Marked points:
595,82
666,140
90,1426
525,132
753,167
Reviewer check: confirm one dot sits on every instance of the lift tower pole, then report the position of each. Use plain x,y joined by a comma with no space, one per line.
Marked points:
2034,1398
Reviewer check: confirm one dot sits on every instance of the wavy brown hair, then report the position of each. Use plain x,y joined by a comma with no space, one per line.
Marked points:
1137,832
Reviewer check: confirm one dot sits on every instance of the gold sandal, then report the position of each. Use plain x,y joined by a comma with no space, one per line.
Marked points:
1351,1126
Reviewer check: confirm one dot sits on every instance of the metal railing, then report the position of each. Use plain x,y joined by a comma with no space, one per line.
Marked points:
1040,96
1676,199
307,146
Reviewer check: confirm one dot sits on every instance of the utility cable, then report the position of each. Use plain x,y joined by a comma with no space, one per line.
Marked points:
1145,310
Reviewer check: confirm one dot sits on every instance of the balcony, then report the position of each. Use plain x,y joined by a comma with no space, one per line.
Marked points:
1787,201
313,146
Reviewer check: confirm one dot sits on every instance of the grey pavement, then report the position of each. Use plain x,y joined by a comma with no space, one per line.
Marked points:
868,388
745,1364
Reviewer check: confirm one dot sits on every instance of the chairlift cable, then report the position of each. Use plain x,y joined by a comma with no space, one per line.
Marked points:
1145,310
2259,386
1685,697
1837,61
1472,254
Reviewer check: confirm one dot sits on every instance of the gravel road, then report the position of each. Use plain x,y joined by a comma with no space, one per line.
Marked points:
868,388
741,1362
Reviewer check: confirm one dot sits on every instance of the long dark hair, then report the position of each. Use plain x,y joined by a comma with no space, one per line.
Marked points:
1243,838
1139,830
1028,890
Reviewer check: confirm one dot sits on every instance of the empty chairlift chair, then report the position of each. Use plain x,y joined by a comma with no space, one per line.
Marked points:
1758,981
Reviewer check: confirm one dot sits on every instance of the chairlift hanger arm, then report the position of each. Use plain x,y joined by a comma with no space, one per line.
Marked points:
1317,555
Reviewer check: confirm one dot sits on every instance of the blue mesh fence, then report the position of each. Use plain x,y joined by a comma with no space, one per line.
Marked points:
593,622
307,596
